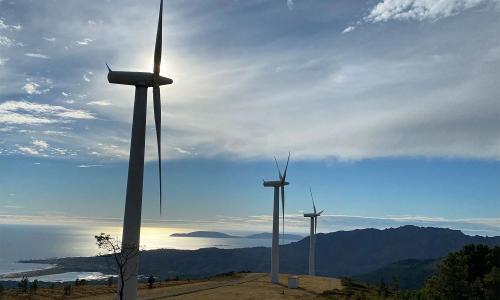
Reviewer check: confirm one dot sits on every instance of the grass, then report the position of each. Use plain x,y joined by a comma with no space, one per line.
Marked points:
241,286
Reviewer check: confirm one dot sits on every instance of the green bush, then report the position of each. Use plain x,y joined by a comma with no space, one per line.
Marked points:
23,284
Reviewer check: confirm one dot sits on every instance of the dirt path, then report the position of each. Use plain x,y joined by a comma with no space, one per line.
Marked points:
204,286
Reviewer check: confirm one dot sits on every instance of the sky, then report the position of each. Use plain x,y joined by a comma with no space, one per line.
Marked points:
390,109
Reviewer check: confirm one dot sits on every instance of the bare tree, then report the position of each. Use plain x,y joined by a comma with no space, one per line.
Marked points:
121,254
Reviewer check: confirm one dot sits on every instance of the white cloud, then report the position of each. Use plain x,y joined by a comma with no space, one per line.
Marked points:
65,94
70,101
37,86
27,150
348,29
85,41
5,41
31,88
289,4
23,112
87,75
40,143
37,55
3,60
11,27
51,39
99,103
419,9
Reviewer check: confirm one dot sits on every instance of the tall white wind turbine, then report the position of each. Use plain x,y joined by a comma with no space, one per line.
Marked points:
277,185
133,205
312,237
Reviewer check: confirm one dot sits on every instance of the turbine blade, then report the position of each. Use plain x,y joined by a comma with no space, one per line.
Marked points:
157,62
319,214
157,112
109,69
279,171
314,206
286,167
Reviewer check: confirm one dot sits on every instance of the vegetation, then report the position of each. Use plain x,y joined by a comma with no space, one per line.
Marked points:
23,284
471,273
410,273
34,286
151,281
121,255
67,289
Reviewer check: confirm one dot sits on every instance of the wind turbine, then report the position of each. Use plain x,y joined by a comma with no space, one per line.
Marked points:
312,237
133,205
277,185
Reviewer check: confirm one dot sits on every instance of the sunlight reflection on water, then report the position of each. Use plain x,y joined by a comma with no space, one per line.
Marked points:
18,242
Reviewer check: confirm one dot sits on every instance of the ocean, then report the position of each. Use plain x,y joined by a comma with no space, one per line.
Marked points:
25,242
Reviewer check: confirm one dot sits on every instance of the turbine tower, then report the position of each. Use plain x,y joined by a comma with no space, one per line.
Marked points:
133,205
312,237
277,185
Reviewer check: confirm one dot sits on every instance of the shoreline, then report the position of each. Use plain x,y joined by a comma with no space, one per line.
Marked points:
42,272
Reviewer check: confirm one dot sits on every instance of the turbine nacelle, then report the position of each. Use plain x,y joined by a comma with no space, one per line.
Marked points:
311,215
275,183
145,79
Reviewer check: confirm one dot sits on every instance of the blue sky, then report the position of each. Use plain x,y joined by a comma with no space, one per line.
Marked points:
390,108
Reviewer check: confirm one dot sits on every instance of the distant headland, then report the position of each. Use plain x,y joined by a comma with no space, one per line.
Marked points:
220,235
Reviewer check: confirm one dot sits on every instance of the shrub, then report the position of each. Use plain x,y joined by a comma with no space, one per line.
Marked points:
23,284
151,281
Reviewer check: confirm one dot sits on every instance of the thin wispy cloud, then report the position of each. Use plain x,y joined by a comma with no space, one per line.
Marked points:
37,55
329,223
24,112
90,166
51,39
348,29
99,103
85,41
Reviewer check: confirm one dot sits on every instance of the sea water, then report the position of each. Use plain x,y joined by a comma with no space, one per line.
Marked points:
25,242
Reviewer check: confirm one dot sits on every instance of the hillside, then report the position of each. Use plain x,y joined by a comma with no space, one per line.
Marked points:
410,273
343,253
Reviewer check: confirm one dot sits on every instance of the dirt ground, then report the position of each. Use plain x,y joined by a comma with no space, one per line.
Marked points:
242,287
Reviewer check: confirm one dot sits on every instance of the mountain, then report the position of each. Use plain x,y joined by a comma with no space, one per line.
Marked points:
204,234
215,234
342,253
268,235
411,273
